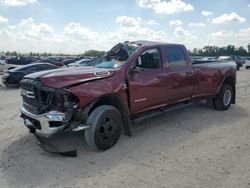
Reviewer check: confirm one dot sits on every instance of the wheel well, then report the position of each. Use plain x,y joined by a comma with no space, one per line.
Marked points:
115,102
107,100
231,81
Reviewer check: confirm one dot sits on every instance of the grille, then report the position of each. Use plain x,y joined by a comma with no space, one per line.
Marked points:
27,84
31,104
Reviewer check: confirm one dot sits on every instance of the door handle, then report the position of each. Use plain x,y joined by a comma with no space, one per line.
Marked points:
189,73
161,76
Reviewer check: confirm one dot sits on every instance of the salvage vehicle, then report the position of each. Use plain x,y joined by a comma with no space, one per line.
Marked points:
134,80
15,75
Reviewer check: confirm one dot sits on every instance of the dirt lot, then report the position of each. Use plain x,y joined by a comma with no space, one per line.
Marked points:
192,147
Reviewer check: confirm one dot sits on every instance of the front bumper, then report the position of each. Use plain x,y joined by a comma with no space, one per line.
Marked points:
42,124
50,123
60,139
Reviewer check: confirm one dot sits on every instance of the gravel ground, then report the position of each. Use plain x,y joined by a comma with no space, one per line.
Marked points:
193,147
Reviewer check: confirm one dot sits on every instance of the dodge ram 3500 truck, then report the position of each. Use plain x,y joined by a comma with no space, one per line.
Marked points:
132,80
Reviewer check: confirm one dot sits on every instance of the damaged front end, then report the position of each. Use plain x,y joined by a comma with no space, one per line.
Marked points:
49,114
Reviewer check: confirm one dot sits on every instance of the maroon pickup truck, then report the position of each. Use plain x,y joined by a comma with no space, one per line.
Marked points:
132,80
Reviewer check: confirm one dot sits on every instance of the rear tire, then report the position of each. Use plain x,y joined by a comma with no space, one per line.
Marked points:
106,123
224,98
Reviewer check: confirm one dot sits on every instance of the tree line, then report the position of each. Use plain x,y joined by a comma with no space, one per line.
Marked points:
220,51
92,53
205,51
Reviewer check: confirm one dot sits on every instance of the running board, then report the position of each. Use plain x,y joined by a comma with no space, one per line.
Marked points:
147,115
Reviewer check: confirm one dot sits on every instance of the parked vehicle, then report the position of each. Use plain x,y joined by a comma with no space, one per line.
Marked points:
134,80
19,60
56,63
4,66
226,58
68,61
81,62
247,62
239,61
14,76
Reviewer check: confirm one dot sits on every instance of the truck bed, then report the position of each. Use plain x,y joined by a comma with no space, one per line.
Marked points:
208,76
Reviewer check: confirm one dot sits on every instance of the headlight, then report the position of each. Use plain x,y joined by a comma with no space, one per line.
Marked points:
56,99
64,99
55,117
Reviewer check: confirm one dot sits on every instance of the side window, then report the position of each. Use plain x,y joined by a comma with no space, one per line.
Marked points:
176,56
44,67
32,69
150,59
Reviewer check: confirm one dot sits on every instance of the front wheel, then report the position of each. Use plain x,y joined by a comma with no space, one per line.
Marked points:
106,123
224,98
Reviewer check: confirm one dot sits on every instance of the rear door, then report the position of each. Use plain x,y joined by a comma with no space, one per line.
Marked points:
181,80
147,81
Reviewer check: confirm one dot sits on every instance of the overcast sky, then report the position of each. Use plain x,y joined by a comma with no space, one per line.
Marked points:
73,26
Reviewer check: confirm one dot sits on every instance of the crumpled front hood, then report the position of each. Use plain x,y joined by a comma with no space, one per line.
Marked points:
65,77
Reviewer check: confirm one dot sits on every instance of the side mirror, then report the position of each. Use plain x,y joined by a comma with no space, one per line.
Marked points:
134,70
139,61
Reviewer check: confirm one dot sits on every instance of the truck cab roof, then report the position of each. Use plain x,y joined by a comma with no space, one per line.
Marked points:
145,43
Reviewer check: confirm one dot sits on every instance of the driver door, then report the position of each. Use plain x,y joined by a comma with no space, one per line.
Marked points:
147,82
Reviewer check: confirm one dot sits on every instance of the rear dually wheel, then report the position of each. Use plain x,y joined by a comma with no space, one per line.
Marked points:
224,98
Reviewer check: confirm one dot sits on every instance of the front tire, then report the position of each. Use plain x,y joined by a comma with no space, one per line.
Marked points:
106,123
238,67
224,98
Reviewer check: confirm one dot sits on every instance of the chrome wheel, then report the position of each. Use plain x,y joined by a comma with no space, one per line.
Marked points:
227,97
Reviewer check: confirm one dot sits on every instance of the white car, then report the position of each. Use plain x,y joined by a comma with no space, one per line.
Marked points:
247,62
4,66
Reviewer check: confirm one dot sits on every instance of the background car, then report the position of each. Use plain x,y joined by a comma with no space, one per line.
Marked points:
82,62
19,60
68,61
239,61
50,61
247,62
4,66
14,76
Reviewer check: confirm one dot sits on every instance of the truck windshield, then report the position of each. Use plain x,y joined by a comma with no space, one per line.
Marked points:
116,57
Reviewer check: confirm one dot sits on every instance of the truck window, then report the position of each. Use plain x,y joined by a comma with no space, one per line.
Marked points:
176,56
150,59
